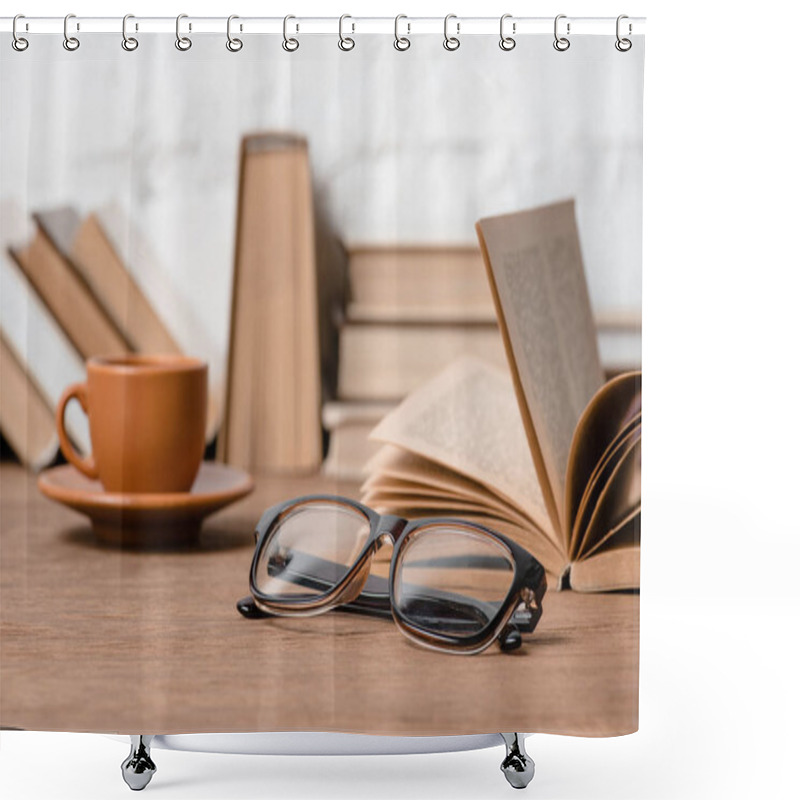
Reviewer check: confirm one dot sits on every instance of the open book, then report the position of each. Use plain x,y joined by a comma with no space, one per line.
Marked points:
544,452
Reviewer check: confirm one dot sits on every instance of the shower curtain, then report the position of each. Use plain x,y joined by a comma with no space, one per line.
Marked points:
296,325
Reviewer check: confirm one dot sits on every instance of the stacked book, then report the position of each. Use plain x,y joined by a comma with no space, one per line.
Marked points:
413,310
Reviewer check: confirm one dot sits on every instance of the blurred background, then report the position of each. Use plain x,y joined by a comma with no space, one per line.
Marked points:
148,144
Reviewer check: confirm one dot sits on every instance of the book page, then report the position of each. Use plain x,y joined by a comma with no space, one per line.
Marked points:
468,420
393,467
604,421
536,271
598,481
388,491
624,534
619,500
435,486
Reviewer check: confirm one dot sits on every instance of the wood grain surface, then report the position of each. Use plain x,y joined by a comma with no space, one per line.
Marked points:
94,638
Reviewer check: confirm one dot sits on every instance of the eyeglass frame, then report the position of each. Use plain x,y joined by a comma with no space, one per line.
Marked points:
528,585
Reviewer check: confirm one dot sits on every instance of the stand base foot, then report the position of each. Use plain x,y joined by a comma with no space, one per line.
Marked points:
138,768
517,766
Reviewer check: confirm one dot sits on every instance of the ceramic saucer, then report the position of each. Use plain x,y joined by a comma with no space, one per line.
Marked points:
147,520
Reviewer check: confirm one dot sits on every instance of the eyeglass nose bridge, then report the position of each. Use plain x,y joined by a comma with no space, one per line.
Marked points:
387,529
356,578
353,583
391,526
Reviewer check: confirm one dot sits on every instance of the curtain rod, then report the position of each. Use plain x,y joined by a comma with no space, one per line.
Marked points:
460,26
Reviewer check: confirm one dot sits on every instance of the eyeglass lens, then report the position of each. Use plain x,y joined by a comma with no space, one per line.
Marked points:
449,579
310,550
452,580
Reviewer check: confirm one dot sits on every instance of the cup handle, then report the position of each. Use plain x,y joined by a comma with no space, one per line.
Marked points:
85,465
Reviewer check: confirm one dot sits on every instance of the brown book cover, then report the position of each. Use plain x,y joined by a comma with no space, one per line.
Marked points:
384,361
69,298
272,413
26,417
418,283
86,246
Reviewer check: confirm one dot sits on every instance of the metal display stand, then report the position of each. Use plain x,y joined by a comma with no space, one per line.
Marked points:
138,768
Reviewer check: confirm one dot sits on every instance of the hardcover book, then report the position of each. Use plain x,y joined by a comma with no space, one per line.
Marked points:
272,410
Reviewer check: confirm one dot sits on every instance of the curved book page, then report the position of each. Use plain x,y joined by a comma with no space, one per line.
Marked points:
397,470
535,269
599,481
605,420
619,501
467,420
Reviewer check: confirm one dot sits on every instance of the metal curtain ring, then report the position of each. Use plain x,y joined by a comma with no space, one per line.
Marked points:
183,43
623,44
71,43
507,42
290,44
19,43
401,43
129,43
346,43
561,43
451,42
233,44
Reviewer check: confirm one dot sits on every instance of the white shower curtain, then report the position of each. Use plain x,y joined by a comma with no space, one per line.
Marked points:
304,224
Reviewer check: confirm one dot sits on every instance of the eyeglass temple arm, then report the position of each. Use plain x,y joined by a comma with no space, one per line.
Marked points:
371,606
528,614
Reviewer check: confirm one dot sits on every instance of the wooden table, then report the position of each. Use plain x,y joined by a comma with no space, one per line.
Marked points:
93,638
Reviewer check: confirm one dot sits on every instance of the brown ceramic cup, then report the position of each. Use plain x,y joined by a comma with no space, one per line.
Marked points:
147,418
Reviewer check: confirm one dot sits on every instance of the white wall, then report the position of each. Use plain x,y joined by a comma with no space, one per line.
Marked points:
412,146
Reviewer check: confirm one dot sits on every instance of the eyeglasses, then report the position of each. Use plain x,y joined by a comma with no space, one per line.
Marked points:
452,585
